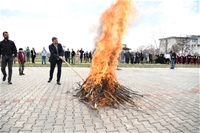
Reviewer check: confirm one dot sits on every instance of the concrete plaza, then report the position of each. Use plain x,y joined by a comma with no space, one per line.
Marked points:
171,98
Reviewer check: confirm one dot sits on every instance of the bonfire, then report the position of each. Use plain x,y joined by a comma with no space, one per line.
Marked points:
101,87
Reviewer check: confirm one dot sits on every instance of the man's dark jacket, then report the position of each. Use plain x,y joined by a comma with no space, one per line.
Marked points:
53,52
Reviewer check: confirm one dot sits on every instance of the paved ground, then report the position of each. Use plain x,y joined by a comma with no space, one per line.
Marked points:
171,97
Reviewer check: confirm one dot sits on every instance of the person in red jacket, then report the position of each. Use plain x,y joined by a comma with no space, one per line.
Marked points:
198,60
21,61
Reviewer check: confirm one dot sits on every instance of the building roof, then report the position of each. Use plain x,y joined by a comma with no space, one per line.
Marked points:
175,37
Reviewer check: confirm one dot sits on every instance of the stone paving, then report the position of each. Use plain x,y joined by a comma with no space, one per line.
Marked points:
171,99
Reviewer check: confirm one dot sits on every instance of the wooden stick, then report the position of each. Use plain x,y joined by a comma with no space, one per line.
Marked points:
74,70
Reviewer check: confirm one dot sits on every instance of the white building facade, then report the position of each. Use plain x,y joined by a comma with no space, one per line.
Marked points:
189,44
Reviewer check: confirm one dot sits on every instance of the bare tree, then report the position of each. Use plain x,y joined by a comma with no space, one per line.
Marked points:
141,47
149,48
155,41
182,44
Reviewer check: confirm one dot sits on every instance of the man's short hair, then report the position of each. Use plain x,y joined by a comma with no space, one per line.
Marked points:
5,32
20,48
53,38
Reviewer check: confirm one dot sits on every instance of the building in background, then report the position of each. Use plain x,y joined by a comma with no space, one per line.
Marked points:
188,44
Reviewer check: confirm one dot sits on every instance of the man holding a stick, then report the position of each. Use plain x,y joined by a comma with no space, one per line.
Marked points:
56,57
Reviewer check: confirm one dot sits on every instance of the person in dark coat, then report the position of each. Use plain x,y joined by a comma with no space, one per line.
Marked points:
67,56
73,56
56,58
189,57
33,55
141,57
132,57
8,50
184,58
90,56
173,60
195,58
161,58
81,55
157,58
150,58
86,56
127,56
137,57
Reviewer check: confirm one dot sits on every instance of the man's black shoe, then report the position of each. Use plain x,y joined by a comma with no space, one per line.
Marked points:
49,80
58,83
4,77
9,82
22,74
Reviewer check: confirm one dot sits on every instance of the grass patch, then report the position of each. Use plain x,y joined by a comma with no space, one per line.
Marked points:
38,64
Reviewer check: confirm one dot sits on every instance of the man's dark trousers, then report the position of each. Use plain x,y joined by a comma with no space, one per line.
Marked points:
7,60
81,58
53,65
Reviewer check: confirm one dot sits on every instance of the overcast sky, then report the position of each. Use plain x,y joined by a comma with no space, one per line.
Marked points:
34,22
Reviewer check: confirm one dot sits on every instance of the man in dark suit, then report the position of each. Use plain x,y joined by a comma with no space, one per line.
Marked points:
56,57
81,55
67,56
33,55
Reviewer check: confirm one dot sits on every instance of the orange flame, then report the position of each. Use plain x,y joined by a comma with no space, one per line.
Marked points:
105,59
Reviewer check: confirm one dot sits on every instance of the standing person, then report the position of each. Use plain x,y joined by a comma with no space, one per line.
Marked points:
56,58
189,57
90,56
167,58
67,56
127,57
156,58
27,51
132,57
184,58
161,58
33,55
141,57
198,59
195,58
137,59
173,59
122,56
150,58
145,57
77,58
87,56
44,55
73,56
7,50
21,61
81,54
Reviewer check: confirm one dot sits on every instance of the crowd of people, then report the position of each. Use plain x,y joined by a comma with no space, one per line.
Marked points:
71,57
162,58
77,57
8,54
30,54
